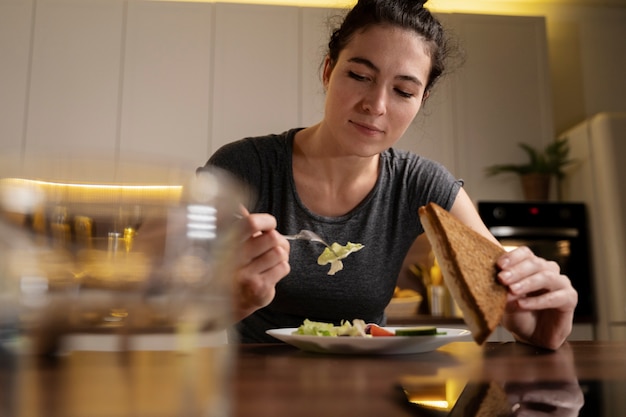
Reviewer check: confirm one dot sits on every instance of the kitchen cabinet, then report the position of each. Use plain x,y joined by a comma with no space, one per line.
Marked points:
180,79
502,98
433,132
497,97
617,333
167,72
15,34
584,331
74,81
315,31
255,87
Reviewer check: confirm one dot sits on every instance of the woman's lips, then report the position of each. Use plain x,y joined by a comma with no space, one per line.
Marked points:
367,127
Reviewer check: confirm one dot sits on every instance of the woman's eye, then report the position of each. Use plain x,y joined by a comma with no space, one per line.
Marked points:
404,94
356,76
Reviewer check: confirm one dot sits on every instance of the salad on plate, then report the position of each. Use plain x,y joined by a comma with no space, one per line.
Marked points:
358,328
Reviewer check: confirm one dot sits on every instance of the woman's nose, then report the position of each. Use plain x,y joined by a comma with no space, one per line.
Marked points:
375,101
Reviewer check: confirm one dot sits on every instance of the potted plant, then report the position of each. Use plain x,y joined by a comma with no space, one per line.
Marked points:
537,173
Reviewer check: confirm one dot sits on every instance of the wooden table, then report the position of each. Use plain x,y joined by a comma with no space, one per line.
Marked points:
279,380
276,380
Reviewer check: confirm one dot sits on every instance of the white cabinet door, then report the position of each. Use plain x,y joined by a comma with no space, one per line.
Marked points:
315,32
182,79
255,71
167,74
502,97
15,36
498,96
617,332
75,78
432,133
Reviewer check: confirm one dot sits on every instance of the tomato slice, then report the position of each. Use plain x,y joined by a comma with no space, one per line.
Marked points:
377,331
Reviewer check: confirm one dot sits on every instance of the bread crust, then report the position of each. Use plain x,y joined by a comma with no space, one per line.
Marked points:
468,264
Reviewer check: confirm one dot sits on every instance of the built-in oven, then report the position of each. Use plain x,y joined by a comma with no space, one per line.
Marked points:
554,231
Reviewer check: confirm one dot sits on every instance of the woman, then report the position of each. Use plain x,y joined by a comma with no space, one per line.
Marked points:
342,179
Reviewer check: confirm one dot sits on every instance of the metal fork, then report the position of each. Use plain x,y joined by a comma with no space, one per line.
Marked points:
302,235
311,236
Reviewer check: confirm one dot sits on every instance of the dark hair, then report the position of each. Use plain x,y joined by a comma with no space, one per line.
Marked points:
406,14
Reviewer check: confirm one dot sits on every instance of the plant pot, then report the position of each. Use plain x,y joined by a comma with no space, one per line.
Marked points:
536,187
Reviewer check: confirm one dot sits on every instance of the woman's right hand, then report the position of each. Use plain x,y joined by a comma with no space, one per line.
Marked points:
263,260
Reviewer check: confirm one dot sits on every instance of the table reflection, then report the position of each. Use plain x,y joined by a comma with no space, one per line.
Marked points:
530,399
535,388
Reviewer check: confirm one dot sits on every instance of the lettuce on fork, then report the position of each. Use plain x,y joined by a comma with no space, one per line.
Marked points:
335,254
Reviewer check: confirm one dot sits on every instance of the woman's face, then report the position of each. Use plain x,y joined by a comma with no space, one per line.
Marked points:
375,89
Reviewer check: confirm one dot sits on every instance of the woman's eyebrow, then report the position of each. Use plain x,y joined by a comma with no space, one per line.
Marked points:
370,65
364,61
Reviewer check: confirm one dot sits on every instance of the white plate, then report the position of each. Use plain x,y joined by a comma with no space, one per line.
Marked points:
389,345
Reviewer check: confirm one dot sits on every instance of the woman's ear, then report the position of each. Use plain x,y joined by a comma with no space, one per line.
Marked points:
425,96
328,69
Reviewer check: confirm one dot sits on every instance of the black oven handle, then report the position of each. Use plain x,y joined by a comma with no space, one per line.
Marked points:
513,231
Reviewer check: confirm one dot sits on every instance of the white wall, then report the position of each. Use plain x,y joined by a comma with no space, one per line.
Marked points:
586,48
588,61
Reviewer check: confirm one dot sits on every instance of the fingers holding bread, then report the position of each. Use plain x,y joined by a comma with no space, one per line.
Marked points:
525,292
535,283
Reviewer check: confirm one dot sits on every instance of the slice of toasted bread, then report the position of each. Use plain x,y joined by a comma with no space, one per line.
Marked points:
468,264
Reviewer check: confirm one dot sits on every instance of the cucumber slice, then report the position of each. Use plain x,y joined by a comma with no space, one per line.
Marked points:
417,331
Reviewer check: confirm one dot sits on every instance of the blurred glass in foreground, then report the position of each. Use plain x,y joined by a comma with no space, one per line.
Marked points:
115,289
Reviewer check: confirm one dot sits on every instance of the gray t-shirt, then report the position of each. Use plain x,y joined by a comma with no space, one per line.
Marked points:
386,222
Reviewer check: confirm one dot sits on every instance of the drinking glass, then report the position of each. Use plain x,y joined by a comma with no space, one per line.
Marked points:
115,289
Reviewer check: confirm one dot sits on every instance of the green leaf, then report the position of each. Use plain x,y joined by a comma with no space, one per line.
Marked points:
551,160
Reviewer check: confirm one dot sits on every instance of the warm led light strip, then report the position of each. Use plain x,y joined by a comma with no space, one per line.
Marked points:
99,193
515,7
104,186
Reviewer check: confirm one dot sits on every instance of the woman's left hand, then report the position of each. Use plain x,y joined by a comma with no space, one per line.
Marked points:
541,301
